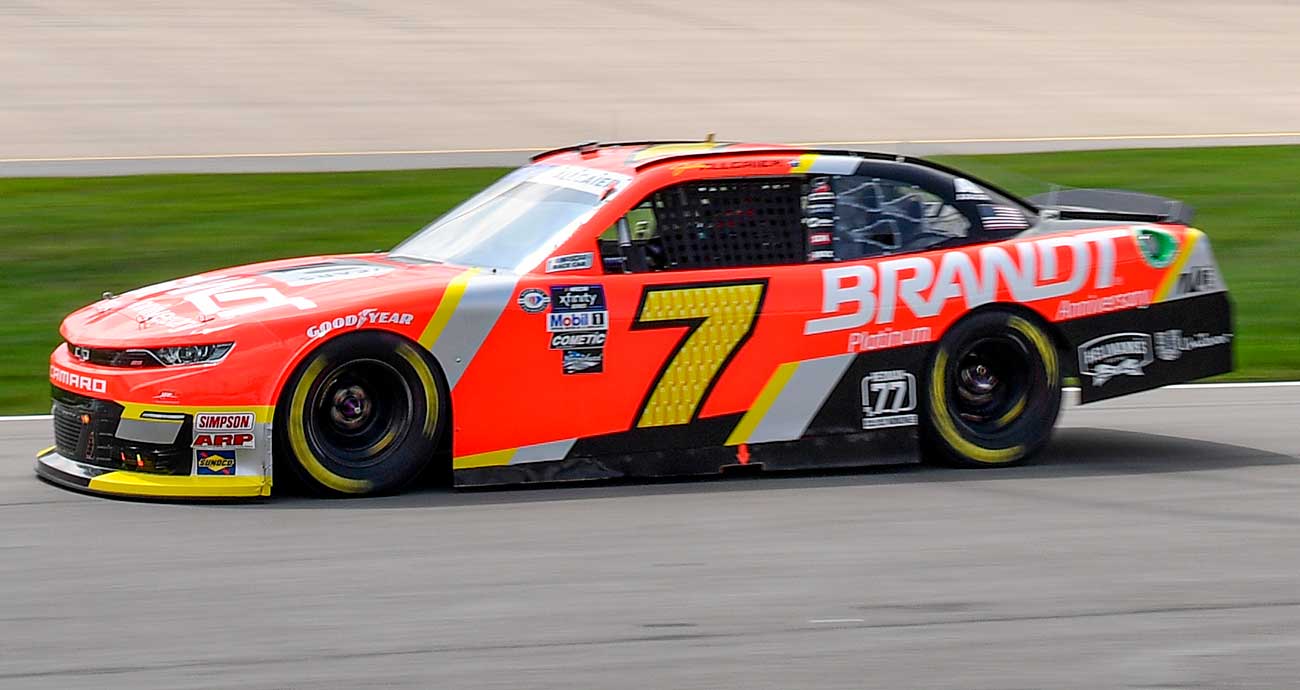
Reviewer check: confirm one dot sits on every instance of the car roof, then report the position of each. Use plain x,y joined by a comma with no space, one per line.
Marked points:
629,157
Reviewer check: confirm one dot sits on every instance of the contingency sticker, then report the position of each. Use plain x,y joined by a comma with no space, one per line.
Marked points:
215,462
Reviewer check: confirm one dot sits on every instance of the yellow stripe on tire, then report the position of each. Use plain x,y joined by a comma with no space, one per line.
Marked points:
298,438
947,428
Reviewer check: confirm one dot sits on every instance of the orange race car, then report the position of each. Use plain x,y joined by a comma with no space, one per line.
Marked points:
646,309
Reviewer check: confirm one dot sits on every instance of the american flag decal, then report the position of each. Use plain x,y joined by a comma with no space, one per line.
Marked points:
1002,218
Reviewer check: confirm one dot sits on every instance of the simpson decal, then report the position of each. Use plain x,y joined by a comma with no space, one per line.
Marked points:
214,463
1118,354
569,262
224,431
224,421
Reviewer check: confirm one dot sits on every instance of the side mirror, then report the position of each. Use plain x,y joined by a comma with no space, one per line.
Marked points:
633,254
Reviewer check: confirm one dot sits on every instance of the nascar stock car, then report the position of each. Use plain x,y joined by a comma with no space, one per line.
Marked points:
645,309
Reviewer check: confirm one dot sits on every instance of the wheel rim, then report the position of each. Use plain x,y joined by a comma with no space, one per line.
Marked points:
991,384
358,411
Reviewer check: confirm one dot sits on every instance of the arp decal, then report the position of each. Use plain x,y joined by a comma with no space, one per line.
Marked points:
570,262
924,284
214,463
888,398
533,301
224,431
1118,354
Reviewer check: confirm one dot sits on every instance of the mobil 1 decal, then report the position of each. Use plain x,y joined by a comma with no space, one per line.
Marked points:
578,324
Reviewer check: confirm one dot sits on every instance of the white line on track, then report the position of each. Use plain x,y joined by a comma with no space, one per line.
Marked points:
1178,386
838,620
534,149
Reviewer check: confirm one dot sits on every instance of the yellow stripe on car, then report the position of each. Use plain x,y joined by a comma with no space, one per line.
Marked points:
749,422
450,299
493,458
1171,274
156,486
262,413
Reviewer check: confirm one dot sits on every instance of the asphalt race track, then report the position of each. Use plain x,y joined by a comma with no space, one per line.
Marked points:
1155,546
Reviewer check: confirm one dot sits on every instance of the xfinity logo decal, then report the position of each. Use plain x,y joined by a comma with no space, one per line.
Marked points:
1042,269
578,297
71,380
1118,354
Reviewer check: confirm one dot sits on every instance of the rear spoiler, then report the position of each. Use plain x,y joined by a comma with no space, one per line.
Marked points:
1114,204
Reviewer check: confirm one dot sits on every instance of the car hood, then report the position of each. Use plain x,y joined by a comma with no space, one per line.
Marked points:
209,307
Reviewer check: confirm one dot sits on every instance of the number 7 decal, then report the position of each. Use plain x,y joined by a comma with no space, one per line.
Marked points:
719,318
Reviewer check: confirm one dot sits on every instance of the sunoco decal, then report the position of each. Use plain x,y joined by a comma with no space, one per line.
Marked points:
1118,354
211,462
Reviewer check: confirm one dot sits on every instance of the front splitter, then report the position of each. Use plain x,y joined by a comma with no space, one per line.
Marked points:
57,469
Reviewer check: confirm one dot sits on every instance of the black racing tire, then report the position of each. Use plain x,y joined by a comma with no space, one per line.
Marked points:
363,415
993,392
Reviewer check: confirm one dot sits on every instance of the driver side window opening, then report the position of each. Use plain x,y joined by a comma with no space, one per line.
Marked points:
778,221
854,217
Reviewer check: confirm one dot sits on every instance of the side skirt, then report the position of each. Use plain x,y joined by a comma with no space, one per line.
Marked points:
880,447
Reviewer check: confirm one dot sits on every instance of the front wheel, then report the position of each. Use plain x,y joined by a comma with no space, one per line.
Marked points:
994,392
362,415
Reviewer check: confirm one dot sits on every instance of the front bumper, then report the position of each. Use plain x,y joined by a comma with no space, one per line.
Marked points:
53,467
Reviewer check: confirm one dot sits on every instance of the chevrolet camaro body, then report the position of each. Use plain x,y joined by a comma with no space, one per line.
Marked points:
566,350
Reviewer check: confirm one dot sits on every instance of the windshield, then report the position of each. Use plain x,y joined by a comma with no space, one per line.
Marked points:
517,221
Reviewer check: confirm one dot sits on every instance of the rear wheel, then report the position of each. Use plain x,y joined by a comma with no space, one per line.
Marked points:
363,415
994,392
